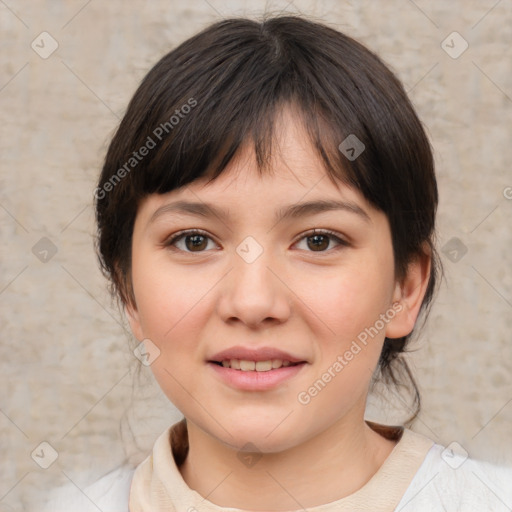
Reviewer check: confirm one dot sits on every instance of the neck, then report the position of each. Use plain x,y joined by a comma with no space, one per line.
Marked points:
331,465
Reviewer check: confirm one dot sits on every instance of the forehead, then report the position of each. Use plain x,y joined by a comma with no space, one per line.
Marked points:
248,196
295,173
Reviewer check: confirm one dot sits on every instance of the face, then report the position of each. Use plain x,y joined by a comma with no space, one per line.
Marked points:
255,276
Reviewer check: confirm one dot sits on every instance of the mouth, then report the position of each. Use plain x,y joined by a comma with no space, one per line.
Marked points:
246,375
256,366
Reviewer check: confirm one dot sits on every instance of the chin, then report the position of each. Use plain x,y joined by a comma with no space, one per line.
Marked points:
263,437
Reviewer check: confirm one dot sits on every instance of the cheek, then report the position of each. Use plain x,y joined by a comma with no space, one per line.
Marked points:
349,303
173,302
155,291
350,334
172,305
168,301
350,299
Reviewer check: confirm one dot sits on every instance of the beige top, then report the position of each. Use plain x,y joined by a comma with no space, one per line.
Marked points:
158,486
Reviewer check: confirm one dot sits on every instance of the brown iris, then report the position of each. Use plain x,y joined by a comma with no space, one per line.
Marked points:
197,242
317,243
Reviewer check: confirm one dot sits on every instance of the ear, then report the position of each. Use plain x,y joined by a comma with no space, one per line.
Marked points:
133,317
408,295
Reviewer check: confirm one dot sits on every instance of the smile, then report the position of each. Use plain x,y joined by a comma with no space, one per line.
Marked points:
255,375
258,366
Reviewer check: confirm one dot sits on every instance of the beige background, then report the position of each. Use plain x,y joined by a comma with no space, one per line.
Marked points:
66,363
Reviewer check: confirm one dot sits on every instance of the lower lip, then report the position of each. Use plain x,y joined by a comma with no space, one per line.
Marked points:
253,380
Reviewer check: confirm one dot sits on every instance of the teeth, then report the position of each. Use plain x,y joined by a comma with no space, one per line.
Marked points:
247,365
263,366
259,366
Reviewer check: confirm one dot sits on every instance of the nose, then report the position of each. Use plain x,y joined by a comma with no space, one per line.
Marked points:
254,293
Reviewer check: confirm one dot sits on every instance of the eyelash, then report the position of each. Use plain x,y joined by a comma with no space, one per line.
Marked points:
190,232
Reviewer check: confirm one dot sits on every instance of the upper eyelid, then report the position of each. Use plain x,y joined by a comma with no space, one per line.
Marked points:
186,232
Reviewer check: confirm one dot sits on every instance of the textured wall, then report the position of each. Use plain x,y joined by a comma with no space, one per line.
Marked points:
66,363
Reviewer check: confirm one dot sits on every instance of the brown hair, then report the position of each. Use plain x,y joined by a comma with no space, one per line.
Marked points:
224,87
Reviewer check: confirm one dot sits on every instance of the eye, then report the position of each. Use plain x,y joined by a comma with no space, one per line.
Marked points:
319,240
194,240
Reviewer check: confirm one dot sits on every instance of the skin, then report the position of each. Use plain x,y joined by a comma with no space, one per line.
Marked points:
311,303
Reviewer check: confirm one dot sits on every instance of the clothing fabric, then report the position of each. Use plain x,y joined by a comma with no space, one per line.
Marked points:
418,475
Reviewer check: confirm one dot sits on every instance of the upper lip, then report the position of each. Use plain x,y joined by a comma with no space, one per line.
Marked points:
254,354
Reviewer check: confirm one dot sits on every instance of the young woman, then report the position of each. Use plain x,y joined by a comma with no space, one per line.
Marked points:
266,215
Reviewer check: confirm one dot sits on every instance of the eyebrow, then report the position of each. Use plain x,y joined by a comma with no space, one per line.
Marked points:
291,211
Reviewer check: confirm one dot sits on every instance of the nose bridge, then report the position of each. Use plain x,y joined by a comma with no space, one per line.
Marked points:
252,278
253,293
